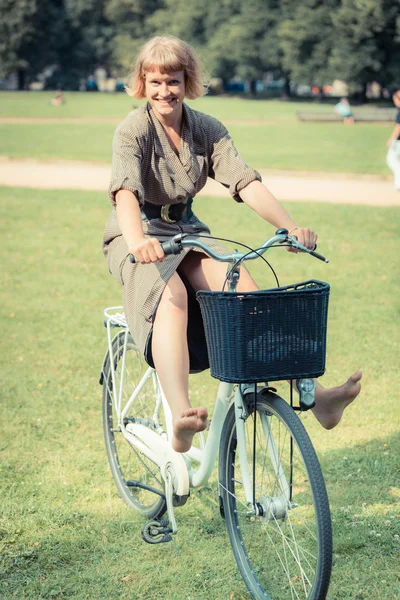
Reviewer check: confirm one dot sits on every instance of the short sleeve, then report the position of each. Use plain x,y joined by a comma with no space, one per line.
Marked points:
398,117
126,173
226,164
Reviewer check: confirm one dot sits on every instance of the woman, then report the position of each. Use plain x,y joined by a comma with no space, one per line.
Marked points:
344,110
393,143
162,156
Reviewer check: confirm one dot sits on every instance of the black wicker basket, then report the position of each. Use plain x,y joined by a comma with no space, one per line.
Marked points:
268,335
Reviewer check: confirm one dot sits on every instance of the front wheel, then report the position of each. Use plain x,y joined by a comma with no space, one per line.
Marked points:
283,546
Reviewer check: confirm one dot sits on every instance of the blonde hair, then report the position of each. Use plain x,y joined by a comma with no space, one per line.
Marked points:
168,54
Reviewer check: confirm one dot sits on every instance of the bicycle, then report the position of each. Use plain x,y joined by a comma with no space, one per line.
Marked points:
271,489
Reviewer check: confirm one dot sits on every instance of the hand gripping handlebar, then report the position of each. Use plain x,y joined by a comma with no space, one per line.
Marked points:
176,244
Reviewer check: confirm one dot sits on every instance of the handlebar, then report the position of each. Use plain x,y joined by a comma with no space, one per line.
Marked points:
176,244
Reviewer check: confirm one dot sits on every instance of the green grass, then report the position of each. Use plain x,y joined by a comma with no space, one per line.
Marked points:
91,142
64,533
117,105
312,147
37,104
282,142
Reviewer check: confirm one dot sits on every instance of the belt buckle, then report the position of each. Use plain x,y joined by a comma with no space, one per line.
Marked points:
164,213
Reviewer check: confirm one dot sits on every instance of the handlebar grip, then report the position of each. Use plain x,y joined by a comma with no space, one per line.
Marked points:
319,256
312,252
171,246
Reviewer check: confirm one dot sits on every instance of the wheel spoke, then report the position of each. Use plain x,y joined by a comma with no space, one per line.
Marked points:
126,461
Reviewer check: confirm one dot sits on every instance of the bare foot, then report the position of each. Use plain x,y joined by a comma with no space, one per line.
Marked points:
331,402
191,422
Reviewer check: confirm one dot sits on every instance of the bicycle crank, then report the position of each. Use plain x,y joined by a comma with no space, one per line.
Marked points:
157,532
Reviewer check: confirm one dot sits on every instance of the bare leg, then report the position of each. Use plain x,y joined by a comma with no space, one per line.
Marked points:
331,402
172,364
204,273
171,359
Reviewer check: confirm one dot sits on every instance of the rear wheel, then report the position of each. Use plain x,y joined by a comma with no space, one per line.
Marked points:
137,478
284,549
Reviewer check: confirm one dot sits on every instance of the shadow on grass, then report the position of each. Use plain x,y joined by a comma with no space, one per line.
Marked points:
363,483
85,553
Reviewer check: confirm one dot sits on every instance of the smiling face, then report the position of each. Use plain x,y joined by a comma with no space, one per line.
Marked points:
165,93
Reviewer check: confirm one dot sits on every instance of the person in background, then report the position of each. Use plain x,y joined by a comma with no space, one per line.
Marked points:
58,99
344,110
163,154
393,143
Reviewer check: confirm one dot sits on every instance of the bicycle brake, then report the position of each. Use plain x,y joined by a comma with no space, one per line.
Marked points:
157,532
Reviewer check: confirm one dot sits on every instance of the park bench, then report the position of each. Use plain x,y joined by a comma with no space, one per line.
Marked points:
360,114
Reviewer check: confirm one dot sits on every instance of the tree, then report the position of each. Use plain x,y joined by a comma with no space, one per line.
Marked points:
357,41
90,33
245,43
29,34
368,42
70,35
306,39
130,21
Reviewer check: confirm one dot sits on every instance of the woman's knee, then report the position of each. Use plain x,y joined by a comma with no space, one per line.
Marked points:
202,272
246,282
207,274
174,297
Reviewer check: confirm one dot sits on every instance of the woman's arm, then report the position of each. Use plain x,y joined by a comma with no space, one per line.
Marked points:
395,135
260,199
146,250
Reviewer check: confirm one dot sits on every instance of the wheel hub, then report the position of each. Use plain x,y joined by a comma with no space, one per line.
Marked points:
273,508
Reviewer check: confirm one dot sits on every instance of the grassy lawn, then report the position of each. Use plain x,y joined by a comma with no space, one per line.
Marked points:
266,132
117,105
64,532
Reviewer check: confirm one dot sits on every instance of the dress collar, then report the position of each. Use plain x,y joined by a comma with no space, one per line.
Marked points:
185,168
162,145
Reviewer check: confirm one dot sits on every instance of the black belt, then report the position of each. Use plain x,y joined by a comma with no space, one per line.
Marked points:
170,213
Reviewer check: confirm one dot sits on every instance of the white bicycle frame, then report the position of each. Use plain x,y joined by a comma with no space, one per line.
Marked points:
177,469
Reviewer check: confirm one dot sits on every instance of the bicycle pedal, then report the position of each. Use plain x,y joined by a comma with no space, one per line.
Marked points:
157,532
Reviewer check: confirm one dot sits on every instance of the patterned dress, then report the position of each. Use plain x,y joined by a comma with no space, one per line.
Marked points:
145,164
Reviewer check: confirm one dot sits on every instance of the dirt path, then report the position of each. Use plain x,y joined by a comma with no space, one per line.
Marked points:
336,188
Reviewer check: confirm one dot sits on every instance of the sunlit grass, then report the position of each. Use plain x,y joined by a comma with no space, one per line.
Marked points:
267,132
64,532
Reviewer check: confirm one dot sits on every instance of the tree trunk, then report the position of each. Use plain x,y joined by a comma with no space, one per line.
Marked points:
364,93
287,93
21,79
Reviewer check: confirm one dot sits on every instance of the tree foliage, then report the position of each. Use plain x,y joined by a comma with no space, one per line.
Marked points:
30,34
353,40
367,50
306,39
313,41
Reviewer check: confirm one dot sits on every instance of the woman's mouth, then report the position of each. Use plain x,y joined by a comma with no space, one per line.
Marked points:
166,102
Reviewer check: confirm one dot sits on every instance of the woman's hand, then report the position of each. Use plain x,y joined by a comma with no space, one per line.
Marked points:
305,236
148,250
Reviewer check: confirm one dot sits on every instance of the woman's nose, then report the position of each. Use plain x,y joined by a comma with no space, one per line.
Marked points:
164,90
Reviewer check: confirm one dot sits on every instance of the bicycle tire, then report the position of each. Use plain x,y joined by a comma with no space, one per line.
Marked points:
287,552
126,462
